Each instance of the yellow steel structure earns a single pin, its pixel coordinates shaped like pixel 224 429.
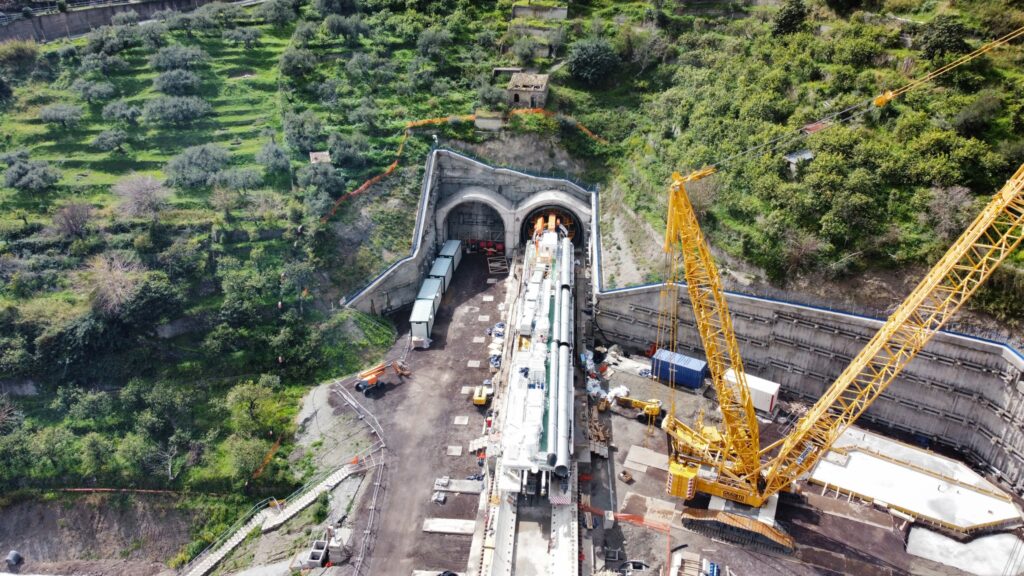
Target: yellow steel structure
pixel 986 243
pixel 735 456
pixel 715 467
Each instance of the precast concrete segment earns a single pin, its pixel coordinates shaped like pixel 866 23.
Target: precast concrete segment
pixel 931 488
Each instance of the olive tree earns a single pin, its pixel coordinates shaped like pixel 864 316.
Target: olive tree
pixel 304 131
pixel 175 110
pixel 121 112
pixel 177 56
pixel 177 82
pixel 274 159
pixel 196 165
pixel 592 60
pixel 141 196
pixel 64 115
pixel 111 140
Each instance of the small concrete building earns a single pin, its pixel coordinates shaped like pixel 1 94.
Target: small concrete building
pixel 527 90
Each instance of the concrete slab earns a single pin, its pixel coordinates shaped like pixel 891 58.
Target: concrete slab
pixel 448 526
pixel 916 488
pixel 660 511
pixel 484 318
pixel 467 390
pixel 647 457
pixel 462 486
pixel 479 339
pixel 488 298
pixel 492 280
pixel 454 451
pixel 461 420
pixel 472 364
pixel 641 468
pixel 985 556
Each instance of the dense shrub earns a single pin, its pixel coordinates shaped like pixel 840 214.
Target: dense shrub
pixel 790 18
pixel 297 62
pixel 26 175
pixel 328 7
pixel 175 110
pixel 196 165
pixel 248 37
pixel 122 112
pixel 110 140
pixel 177 56
pixel 273 158
pixel 177 82
pixel 943 35
pixel 17 57
pixel 304 131
pixel 277 12
pixel 592 60
pixel 93 92
pixel 63 115
pixel 322 178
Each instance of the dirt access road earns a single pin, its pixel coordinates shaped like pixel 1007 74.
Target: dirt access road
pixel 418 417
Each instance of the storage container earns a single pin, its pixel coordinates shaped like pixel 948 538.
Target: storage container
pixel 422 322
pixel 764 394
pixel 442 268
pixel 432 289
pixel 679 370
pixel 452 249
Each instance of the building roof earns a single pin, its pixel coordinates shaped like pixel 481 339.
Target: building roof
pixel 450 248
pixel 799 156
pixel 430 288
pixel 320 157
pixel 524 81
pixel 422 311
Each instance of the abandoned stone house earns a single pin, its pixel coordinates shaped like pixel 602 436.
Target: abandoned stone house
pixel 527 90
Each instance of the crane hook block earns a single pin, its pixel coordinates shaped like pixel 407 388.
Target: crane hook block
pixel 884 98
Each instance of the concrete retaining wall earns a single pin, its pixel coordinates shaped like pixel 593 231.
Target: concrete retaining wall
pixel 76 22
pixel 959 392
pixel 540 12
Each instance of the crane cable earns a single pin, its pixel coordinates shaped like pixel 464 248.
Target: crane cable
pixel 854 111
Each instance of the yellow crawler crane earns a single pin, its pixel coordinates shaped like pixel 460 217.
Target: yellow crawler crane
pixel 729 463
pixel 987 242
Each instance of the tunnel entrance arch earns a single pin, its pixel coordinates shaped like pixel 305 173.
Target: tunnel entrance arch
pixel 475 221
pixel 567 218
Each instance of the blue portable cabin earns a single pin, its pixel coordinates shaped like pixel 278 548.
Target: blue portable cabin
pixel 680 370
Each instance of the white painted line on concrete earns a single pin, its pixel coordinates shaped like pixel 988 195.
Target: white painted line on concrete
pixel 449 526
pixel 467 389
pixel 454 450
pixel 488 298
pixel 483 318
pixel 479 339
pixel 461 420
pixel 472 364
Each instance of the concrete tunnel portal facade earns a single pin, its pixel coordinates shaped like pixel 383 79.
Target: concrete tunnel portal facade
pixel 484 213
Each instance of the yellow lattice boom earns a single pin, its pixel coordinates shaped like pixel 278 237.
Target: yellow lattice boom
pixel 737 451
pixel 986 243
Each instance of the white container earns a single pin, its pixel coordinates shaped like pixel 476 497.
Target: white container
pixel 452 249
pixel 422 321
pixel 432 289
pixel 764 394
pixel 442 268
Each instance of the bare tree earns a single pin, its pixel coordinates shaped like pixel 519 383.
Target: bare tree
pixel 72 220
pixel 702 196
pixel 950 210
pixel 141 196
pixel 225 200
pixel 10 416
pixel 112 279
pixel 800 248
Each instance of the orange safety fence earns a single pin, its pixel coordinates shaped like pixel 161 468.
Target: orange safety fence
pixel 266 459
pixel 433 121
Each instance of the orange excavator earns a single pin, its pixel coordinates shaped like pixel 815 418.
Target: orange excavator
pixel 369 380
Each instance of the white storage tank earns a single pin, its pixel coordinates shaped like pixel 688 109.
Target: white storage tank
pixel 422 323
pixel 442 269
pixel 452 249
pixel 432 289
pixel 764 394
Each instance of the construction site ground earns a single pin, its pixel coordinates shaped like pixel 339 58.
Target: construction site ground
pixel 834 536
pixel 419 421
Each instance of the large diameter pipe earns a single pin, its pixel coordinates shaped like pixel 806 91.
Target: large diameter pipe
pixel 565 396
pixel 552 384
